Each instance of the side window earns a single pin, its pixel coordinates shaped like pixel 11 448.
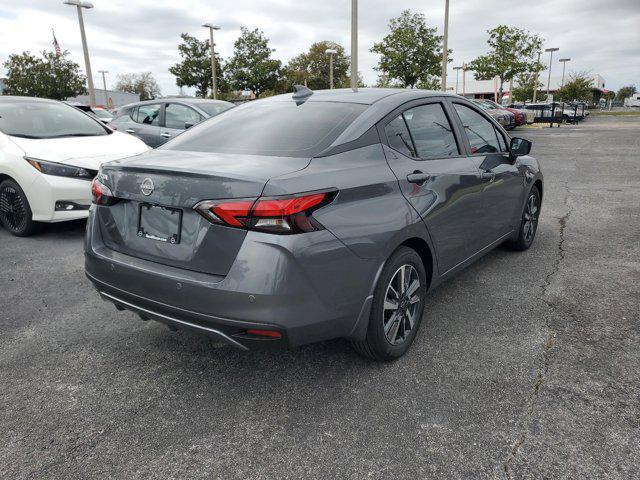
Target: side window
pixel 502 142
pixel 431 131
pixel 148 114
pixel 176 115
pixel 398 136
pixel 480 132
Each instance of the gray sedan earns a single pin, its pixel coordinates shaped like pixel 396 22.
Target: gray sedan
pixel 156 121
pixel 311 216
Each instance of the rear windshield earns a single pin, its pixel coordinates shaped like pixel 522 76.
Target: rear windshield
pixel 214 109
pixel 46 120
pixel 281 129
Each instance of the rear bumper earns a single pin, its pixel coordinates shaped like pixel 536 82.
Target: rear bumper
pixel 307 287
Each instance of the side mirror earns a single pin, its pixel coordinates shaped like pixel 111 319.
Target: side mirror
pixel 188 125
pixel 519 146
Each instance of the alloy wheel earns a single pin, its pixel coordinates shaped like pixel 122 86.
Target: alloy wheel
pixel 530 218
pixel 13 212
pixel 401 304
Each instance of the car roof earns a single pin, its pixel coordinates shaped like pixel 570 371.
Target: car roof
pixel 20 99
pixel 186 100
pixel 365 96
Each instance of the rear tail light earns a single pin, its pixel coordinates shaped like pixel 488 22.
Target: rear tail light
pixel 283 215
pixel 101 194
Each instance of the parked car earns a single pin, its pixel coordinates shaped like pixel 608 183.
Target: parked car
pixel 156 121
pixel 503 117
pixel 94 112
pixel 296 219
pixel 49 154
pixel 520 116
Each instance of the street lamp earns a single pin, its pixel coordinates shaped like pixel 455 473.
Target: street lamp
pixel 457 69
pixel 464 75
pixel 104 84
pixel 211 28
pixel 564 65
pixel 550 50
pixel 354 45
pixel 331 52
pixel 443 80
pixel 80 4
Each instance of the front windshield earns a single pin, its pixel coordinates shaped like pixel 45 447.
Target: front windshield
pixel 46 120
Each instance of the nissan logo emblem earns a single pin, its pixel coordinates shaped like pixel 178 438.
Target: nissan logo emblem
pixel 147 187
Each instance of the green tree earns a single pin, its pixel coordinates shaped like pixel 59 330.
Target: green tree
pixel 579 87
pixel 313 67
pixel 52 76
pixel 626 92
pixel 142 84
pixel 251 66
pixel 525 83
pixel 411 53
pixel 195 68
pixel 512 52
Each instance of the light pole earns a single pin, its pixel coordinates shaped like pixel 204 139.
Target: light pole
pixel 464 76
pixel 564 65
pixel 535 83
pixel 331 52
pixel 443 80
pixel 80 4
pixel 550 50
pixel 214 84
pixel 457 69
pixel 354 45
pixel 104 84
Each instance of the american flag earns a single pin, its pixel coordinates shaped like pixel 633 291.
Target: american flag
pixel 55 44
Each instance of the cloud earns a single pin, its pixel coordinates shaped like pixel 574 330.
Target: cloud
pixel 142 35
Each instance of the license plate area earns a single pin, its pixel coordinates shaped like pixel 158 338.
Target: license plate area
pixel 159 223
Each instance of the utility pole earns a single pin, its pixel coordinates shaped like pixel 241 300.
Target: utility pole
pixel 464 75
pixel 354 45
pixel 564 65
pixel 443 79
pixel 214 85
pixel 80 4
pixel 535 83
pixel 330 52
pixel 550 50
pixel 104 85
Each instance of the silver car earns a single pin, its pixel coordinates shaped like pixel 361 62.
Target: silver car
pixel 311 216
pixel 156 121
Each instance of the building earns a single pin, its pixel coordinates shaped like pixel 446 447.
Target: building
pixel 112 98
pixel 489 88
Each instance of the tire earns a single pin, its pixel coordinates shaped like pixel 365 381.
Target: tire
pixel 389 335
pixel 528 223
pixel 15 212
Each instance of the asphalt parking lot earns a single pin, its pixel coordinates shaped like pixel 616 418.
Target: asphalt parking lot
pixel 527 365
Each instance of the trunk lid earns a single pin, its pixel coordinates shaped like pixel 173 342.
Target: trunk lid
pixel 179 181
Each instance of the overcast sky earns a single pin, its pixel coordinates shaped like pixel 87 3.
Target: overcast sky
pixel 124 36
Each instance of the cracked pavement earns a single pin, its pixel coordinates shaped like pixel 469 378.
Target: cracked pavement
pixel 526 365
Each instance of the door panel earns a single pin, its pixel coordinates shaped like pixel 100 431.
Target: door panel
pixel 147 124
pixel 442 185
pixel 502 179
pixel 176 116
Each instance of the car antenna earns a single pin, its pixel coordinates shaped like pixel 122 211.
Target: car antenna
pixel 301 94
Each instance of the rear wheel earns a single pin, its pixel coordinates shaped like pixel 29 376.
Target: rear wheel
pixel 529 222
pixel 398 305
pixel 15 212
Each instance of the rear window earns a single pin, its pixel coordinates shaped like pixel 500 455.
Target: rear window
pixel 281 129
pixel 214 109
pixel 46 120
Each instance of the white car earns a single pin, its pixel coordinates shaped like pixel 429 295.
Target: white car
pixel 49 154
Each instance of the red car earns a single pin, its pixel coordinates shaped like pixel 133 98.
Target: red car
pixel 521 117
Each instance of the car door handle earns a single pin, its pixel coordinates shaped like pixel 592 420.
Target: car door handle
pixel 130 130
pixel 165 135
pixel 488 176
pixel 418 177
